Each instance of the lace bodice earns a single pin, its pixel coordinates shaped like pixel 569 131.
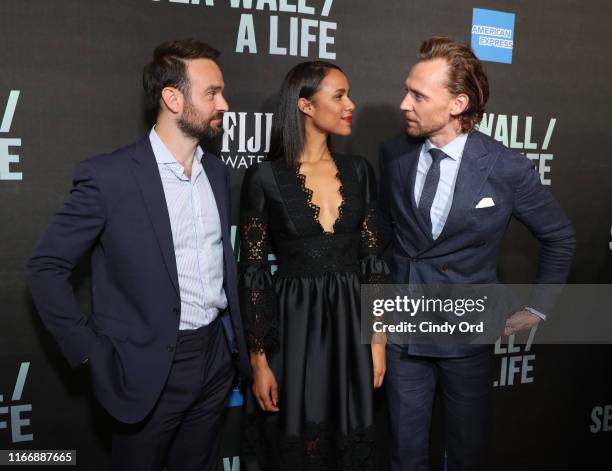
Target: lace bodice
pixel 277 214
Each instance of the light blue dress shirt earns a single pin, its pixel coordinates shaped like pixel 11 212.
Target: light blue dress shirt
pixel 449 167
pixel 196 234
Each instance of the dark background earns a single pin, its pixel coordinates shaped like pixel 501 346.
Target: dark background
pixel 78 65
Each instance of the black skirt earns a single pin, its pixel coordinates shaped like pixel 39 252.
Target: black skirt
pixel 324 373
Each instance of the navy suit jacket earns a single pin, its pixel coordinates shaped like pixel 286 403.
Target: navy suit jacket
pixel 466 252
pixel 117 211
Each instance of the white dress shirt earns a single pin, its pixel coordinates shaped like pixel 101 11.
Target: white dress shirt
pixel 196 234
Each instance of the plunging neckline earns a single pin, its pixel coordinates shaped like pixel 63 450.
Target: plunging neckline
pixel 316 208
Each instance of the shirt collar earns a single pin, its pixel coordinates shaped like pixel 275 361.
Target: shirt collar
pixel 454 149
pixel 164 156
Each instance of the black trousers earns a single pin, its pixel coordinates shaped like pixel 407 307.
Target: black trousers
pixel 466 384
pixel 183 430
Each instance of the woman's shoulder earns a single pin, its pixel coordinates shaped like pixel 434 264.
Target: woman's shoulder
pixel 256 169
pixel 355 158
pixel 359 162
pixel 252 176
pixel 260 174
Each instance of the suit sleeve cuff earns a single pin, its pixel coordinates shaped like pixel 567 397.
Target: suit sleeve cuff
pixel 536 312
pixel 77 345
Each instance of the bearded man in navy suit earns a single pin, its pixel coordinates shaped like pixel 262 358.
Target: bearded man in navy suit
pixel 165 321
pixel 447 195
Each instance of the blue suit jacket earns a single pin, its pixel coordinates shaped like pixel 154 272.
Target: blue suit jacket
pixel 117 211
pixel 466 252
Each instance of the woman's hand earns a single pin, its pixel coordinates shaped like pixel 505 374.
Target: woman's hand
pixel 379 363
pixel 265 388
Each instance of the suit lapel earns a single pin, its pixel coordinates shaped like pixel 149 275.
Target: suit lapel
pixel 476 165
pixel 217 183
pixel 216 178
pixel 147 176
pixel 408 165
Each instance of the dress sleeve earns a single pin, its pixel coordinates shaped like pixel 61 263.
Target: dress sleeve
pixel 257 297
pixel 373 267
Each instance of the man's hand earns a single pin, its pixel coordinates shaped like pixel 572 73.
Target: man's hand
pixel 521 320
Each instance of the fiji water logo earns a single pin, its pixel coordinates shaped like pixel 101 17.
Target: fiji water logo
pixel 493 35
pixel 246 138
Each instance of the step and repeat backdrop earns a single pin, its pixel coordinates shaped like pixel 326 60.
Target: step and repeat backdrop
pixel 70 87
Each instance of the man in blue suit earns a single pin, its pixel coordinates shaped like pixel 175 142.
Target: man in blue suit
pixel 447 195
pixel 165 321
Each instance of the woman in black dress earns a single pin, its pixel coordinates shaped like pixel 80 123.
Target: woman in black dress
pixel 312 402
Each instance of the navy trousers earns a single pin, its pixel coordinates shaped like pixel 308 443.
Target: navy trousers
pixel 466 384
pixel 183 430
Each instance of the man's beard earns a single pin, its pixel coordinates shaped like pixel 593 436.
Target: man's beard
pixel 423 131
pixel 193 125
pixel 434 125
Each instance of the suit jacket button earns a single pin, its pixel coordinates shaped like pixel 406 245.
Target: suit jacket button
pixel 444 267
pixel 170 348
pixel 175 310
pixel 481 243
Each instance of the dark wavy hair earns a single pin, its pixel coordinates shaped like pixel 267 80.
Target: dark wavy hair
pixel 465 75
pixel 288 129
pixel 167 69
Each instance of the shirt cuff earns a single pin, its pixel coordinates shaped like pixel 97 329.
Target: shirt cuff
pixel 537 313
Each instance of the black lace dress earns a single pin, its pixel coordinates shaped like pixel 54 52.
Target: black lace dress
pixel 306 318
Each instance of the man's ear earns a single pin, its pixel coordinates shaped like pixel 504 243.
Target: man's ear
pixel 460 104
pixel 305 106
pixel 172 99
